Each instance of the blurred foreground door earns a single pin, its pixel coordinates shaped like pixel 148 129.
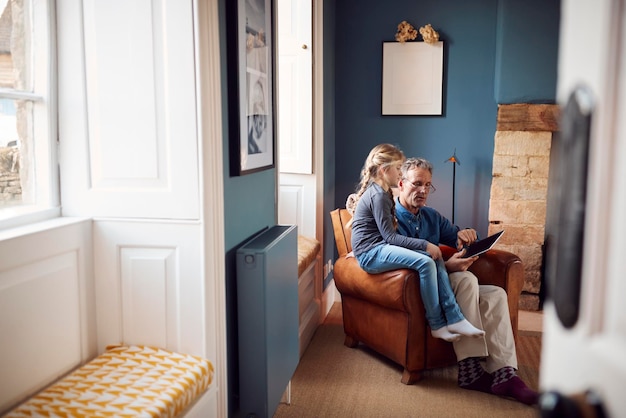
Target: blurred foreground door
pixel 584 348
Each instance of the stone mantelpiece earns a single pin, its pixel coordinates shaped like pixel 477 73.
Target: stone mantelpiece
pixel 519 187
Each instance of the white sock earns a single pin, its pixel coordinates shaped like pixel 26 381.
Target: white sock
pixel 444 334
pixel 463 327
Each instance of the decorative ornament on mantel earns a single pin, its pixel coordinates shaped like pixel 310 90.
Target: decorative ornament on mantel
pixel 429 35
pixel 407 32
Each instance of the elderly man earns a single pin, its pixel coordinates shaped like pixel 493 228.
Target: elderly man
pixel 484 306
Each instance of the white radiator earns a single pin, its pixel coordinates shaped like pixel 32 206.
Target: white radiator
pixel 267 308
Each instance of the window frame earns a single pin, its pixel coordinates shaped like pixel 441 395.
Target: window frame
pixel 45 124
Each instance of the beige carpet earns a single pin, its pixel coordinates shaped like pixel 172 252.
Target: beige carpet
pixel 333 380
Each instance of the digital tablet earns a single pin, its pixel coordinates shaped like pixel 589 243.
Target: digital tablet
pixel 480 246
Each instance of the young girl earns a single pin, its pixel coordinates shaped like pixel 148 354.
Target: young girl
pixel 378 247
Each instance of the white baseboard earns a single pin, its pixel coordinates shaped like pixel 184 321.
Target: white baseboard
pixel 329 297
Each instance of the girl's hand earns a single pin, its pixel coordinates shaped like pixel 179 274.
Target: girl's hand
pixel 434 251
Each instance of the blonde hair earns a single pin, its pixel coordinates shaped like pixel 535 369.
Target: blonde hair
pixel 380 156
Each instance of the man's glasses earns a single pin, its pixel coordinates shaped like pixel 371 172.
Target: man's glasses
pixel 428 187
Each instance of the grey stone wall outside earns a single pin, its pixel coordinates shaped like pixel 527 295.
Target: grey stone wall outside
pixel 10 186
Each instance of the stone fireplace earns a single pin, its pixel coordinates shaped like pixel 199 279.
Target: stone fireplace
pixel 519 188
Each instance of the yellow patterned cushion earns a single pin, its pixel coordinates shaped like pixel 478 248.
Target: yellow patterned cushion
pixel 125 381
pixel 307 251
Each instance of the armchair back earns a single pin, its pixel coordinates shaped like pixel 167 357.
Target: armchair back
pixel 343 233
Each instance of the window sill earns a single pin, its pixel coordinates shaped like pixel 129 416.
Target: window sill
pixel 32 221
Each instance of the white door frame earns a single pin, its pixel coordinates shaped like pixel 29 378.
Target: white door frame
pixel 212 185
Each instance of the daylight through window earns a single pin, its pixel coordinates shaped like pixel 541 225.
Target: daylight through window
pixel 26 128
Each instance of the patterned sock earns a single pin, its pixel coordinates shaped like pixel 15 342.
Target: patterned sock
pixel 472 376
pixel 503 374
pixel 507 383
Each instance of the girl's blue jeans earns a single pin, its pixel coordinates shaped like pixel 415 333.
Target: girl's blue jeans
pixel 436 291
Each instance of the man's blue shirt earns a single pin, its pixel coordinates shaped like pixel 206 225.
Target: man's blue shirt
pixel 428 224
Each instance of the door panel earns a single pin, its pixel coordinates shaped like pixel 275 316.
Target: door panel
pixel 296 203
pixel 149 287
pixel 127 109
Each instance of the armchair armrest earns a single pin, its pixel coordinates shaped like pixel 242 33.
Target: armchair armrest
pixel 499 268
pixel 396 289
pixel 496 267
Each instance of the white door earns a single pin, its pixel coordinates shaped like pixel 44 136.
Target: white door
pixel 295 86
pixel 589 354
pixel 297 194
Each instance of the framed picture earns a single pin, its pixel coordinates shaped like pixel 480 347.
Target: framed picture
pixel 412 78
pixel 251 92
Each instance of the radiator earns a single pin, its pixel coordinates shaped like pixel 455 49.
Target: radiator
pixel 267 308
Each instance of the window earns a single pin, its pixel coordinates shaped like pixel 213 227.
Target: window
pixel 28 174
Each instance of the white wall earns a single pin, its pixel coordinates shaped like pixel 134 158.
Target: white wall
pixel 133 139
pixel 47 305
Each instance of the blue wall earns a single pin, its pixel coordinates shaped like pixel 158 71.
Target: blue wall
pixel 330 158
pixel 472 32
pixel 527 51
pixel 249 207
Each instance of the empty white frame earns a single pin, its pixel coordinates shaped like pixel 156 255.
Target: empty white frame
pixel 412 78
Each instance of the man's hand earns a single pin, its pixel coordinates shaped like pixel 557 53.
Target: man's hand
pixel 457 263
pixel 434 251
pixel 465 237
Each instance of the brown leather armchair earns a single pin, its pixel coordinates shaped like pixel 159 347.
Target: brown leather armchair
pixel 385 311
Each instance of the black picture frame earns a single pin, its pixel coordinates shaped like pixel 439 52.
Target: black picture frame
pixel 251 85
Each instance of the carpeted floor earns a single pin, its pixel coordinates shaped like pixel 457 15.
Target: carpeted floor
pixel 333 380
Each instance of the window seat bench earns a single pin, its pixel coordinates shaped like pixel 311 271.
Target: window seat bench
pixel 124 381
pixel 309 288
